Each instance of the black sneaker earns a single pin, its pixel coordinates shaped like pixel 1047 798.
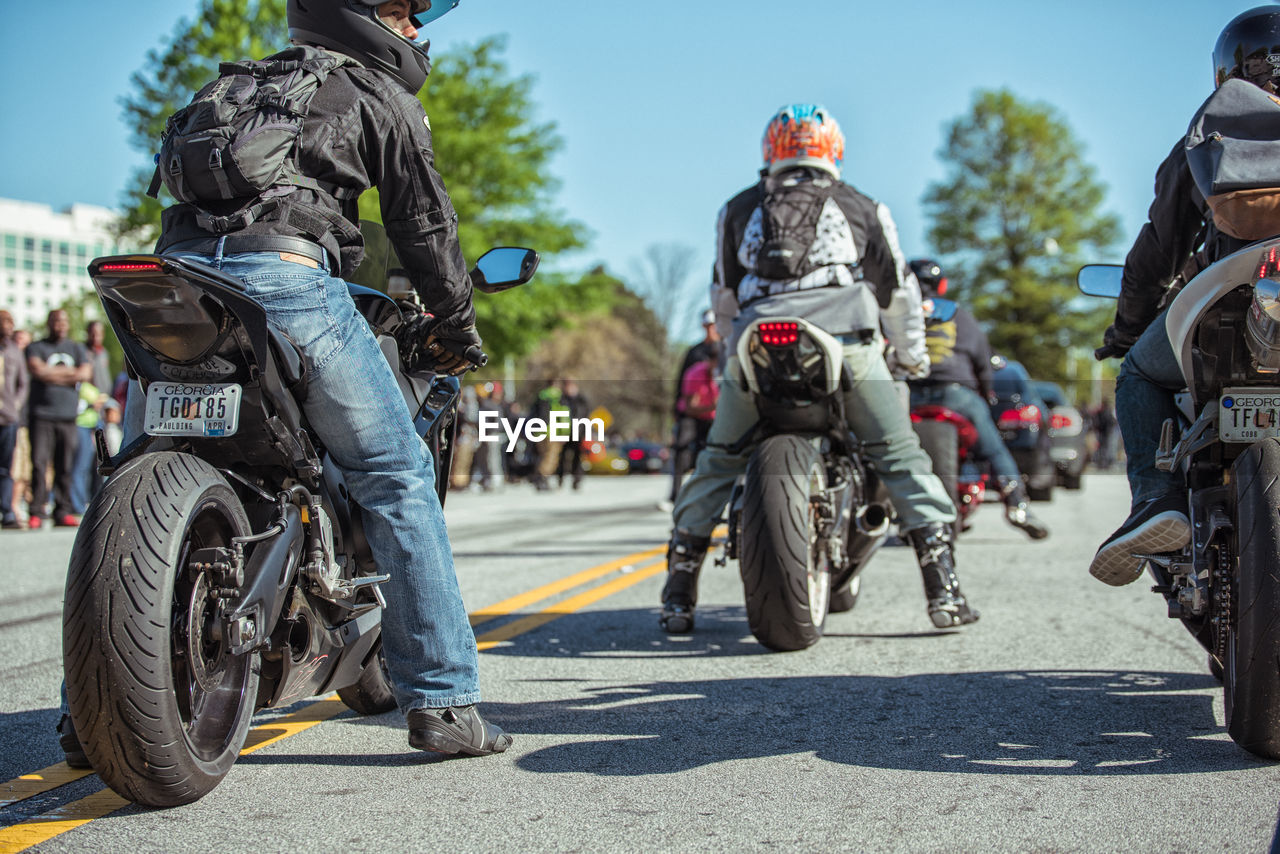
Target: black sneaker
pixel 459 729
pixel 1158 526
pixel 70 743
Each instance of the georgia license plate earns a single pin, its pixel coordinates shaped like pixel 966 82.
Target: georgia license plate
pixel 1248 414
pixel 179 409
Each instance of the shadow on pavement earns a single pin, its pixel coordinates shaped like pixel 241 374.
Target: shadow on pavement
pixel 1047 723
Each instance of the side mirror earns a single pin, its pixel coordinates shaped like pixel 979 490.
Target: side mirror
pixel 1100 280
pixel 503 268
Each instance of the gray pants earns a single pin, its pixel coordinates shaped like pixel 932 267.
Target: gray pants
pixel 877 414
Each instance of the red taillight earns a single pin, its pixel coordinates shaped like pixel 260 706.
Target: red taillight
pixel 635 454
pixel 1023 416
pixel 779 334
pixel 130 268
pixel 1060 422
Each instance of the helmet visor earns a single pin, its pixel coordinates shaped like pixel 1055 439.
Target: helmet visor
pixel 430 10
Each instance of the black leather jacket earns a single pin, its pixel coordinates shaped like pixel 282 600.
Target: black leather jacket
pixel 364 130
pixel 1179 223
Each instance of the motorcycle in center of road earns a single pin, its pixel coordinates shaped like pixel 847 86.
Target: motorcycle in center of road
pixel 809 511
pixel 949 438
pixel 1224 585
pixel 224 568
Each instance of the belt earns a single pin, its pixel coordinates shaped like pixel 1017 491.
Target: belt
pixel 234 244
pixel 858 336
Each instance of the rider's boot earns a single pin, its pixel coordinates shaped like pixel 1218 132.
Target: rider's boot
pixel 70 744
pixel 947 605
pixel 685 554
pixel 1017 510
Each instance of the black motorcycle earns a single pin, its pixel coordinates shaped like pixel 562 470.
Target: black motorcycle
pixel 1225 584
pixel 808 513
pixel 224 568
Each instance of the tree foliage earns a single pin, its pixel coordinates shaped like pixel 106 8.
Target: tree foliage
pixel 494 157
pixel 1017 216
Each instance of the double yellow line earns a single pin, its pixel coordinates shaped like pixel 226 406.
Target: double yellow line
pixel 41 828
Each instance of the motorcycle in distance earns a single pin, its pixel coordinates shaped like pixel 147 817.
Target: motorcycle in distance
pixel 1224 586
pixel 809 511
pixel 948 438
pixel 224 568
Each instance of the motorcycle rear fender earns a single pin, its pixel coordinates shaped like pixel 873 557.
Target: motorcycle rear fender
pixel 1202 292
pixel 833 349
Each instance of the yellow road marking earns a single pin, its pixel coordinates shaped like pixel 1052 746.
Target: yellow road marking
pixel 39 782
pixel 489 640
pixel 46 826
pixel 69 816
pixel 506 606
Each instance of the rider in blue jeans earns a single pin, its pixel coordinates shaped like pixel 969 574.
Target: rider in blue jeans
pixel 960 380
pixel 366 127
pixel 1179 239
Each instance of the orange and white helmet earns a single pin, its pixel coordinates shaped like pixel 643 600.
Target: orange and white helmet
pixel 803 135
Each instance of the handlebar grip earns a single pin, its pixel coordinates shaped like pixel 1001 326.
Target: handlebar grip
pixel 476 356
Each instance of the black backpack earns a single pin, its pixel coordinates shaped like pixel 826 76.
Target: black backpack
pixel 790 211
pixel 1233 150
pixel 237 141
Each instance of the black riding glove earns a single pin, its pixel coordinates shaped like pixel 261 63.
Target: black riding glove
pixel 1114 344
pixel 443 346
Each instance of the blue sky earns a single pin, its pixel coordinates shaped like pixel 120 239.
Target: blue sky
pixel 661 105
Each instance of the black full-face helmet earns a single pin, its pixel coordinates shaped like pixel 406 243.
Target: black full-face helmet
pixel 352 27
pixel 1249 48
pixel 933 282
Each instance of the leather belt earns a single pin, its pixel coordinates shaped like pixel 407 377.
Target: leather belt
pixel 234 244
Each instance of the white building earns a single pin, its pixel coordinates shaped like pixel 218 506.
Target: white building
pixel 45 253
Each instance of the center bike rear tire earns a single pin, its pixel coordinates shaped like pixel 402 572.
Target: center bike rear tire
pixel 1251 678
pixel 941 441
pixel 787 586
pixel 160 706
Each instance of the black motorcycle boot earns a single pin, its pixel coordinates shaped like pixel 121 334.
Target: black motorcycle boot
pixel 70 744
pixel 1017 510
pixel 454 730
pixel 947 605
pixel 685 554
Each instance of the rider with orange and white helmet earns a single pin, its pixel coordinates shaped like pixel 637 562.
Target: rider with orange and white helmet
pixel 802 242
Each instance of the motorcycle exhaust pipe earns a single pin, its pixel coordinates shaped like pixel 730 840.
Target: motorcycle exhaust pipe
pixel 872 520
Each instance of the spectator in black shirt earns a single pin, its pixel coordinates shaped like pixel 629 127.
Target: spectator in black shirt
pixel 57 364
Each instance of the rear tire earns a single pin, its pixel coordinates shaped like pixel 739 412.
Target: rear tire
pixel 787 586
pixel 372 694
pixel 160 707
pixel 846 597
pixel 1251 683
pixel 1072 480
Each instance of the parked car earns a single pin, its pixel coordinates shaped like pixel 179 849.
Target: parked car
pixel 1024 420
pixel 645 457
pixel 1068 438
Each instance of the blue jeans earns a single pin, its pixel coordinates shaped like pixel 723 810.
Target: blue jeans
pixel 85 480
pixel 1145 387
pixel 357 409
pixel 967 402
pixel 878 416
pixel 8 439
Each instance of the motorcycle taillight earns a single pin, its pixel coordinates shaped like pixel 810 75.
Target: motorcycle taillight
pixel 779 334
pixel 1263 323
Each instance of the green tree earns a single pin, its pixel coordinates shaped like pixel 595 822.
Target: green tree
pixel 494 157
pixel 1017 216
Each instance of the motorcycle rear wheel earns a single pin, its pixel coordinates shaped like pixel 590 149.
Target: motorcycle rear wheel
pixel 1251 682
pixel 372 694
pixel 160 706
pixel 787 586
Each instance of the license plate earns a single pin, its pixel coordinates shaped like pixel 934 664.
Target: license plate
pixel 1248 414
pixel 179 409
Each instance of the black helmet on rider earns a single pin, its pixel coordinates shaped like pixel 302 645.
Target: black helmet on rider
pixel 933 283
pixel 1249 48
pixel 354 28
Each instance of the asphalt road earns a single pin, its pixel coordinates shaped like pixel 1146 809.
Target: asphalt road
pixel 1073 717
